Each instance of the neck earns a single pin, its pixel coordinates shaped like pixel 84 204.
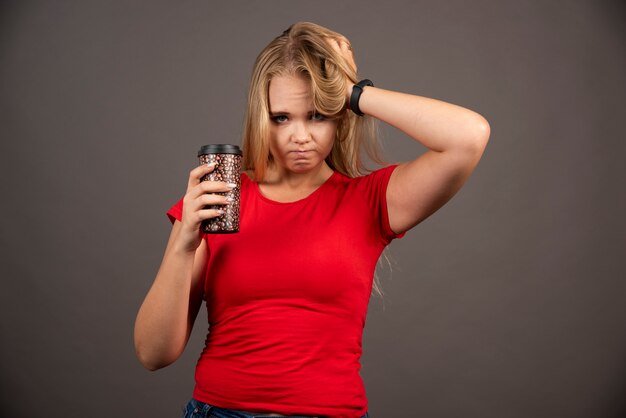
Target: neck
pixel 279 176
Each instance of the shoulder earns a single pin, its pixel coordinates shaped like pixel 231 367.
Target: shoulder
pixel 246 182
pixel 247 176
pixel 375 178
pixel 371 186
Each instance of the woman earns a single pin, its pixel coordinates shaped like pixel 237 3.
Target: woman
pixel 287 296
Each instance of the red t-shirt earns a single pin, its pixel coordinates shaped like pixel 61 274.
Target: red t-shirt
pixel 287 299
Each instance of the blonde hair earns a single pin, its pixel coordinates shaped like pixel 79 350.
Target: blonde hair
pixel 303 50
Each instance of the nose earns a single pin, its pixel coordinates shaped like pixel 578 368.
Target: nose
pixel 300 133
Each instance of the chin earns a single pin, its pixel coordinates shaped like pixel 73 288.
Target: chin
pixel 301 167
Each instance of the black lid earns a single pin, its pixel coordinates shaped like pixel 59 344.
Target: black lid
pixel 219 149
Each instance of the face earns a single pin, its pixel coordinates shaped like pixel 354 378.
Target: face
pixel 300 138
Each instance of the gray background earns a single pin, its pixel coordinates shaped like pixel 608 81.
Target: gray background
pixel 508 302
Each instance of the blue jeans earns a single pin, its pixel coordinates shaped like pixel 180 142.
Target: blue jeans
pixel 197 409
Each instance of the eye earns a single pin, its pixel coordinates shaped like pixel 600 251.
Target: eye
pixel 318 116
pixel 279 118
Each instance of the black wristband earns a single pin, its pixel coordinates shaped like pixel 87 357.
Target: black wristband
pixel 356 94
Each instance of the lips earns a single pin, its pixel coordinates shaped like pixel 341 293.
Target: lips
pixel 301 154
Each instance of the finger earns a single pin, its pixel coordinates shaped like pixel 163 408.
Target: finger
pixel 348 51
pixel 213 199
pixel 343 47
pixel 209 213
pixel 197 173
pixel 345 44
pixel 334 44
pixel 210 187
pixel 196 210
pixel 216 186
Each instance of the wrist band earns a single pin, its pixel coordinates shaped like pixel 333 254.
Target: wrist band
pixel 356 94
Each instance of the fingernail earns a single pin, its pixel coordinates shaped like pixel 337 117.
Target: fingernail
pixel 211 164
pixel 229 199
pixel 231 185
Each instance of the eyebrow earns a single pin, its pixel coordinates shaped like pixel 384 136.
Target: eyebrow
pixel 279 112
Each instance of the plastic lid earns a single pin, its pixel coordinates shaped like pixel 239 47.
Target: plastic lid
pixel 219 149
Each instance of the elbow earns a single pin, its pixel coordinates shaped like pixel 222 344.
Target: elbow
pixel 151 360
pixel 151 363
pixel 479 136
pixel 152 367
pixel 484 131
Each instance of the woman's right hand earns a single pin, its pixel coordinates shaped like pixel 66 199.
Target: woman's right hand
pixel 166 317
pixel 199 195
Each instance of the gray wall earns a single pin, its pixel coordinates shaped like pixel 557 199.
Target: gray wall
pixel 508 302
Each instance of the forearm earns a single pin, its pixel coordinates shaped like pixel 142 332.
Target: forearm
pixel 161 328
pixel 437 125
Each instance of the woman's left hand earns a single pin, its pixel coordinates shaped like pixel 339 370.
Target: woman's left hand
pixel 343 48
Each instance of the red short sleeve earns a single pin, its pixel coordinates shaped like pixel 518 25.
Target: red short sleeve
pixel 374 188
pixel 176 211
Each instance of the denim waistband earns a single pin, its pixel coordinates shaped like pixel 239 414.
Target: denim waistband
pixel 197 409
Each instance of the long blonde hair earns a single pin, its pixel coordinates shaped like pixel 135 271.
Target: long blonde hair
pixel 303 50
